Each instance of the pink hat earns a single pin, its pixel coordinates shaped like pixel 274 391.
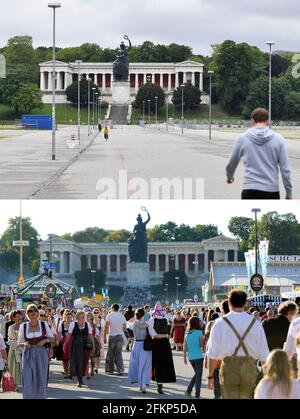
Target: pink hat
pixel 158 310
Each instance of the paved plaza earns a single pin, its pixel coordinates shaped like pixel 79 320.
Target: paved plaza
pixel 27 171
pixel 104 386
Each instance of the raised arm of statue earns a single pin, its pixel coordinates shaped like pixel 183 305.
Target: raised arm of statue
pixel 149 218
pixel 127 39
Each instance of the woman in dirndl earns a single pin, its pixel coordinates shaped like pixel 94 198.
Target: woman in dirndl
pixel 178 331
pixel 82 345
pixel 15 352
pixel 162 359
pixel 64 351
pixel 34 337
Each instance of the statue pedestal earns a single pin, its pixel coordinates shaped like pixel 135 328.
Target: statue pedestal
pixel 121 93
pixel 138 275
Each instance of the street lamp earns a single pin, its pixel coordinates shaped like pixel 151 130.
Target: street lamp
pixel 182 101
pixel 100 116
pixel 149 105
pixel 156 98
pixel 196 265
pixel 89 103
pixel 94 88
pixel 96 105
pixel 256 211
pixel 79 123
pixel 93 286
pixel 270 43
pixel 177 285
pixel 53 6
pixel 210 101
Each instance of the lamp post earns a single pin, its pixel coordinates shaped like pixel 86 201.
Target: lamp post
pixel 196 265
pixel 93 89
pixel 93 286
pixel 177 285
pixel 89 103
pixel 210 101
pixel 256 211
pixel 156 98
pixel 79 122
pixel 270 43
pixel 182 102
pixel 167 115
pixel 53 6
pixel 96 105
pixel 149 105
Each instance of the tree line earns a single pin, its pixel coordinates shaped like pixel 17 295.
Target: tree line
pixel 282 230
pixel 240 80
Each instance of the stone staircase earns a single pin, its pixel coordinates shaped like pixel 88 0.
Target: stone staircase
pixel 118 114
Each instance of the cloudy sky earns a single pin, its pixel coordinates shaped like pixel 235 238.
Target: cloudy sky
pixel 59 217
pixel 198 23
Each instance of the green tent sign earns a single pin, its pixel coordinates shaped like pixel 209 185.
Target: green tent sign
pixel 51 290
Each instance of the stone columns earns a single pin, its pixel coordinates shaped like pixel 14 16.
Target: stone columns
pixel 169 82
pixel 161 80
pixel 89 262
pixel 236 256
pixel 176 262
pixel 68 80
pixel 108 264
pixel 99 262
pixel 61 263
pixel 201 81
pixel 157 271
pixel 186 263
pixel 136 82
pixel 50 81
pixel 104 83
pixel 206 262
pixel 226 255
pixel 176 80
pixel 118 265
pixel 184 78
pixel 42 84
pixel 193 79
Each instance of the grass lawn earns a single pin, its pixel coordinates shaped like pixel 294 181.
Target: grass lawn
pixel 65 114
pixel 199 113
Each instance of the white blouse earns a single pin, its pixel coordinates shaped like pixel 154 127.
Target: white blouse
pixel 72 325
pixel 32 335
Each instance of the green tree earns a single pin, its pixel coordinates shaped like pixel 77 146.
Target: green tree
pixel 150 91
pixel 118 236
pixel 72 92
pixel 19 50
pixel 162 233
pixel 10 255
pixel 29 97
pixel 191 96
pixel 241 228
pixel 282 230
pixel 89 235
pixel 91 282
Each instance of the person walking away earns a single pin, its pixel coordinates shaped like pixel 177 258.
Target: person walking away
pixel 99 127
pixel 179 324
pixel 15 353
pixel 239 341
pixel 263 152
pixel 278 382
pixel 140 359
pixel 162 359
pixel 95 354
pixel 193 346
pixel 115 326
pixel 35 336
pixel 276 329
pixel 129 314
pixel 82 345
pixel 106 132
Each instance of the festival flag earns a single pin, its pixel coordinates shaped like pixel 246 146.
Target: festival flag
pixel 263 256
pixel 252 261
pixel 247 259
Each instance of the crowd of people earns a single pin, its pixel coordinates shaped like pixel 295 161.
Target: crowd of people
pixel 249 352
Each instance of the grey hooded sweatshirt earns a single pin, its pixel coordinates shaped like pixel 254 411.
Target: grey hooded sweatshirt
pixel 263 152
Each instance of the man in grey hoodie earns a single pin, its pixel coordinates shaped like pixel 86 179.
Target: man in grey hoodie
pixel 263 152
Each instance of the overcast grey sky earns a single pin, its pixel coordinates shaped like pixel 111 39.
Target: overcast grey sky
pixel 198 23
pixel 59 217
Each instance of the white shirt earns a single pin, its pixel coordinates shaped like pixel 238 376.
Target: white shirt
pixel 152 332
pixel 32 335
pixel 72 325
pixel 223 342
pixel 59 329
pixel 290 345
pixel 116 321
pixel 265 388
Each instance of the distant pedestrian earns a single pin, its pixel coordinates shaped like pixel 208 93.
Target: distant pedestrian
pixel 263 152
pixel 106 132
pixel 99 127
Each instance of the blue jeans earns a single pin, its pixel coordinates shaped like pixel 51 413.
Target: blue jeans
pixel 197 364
